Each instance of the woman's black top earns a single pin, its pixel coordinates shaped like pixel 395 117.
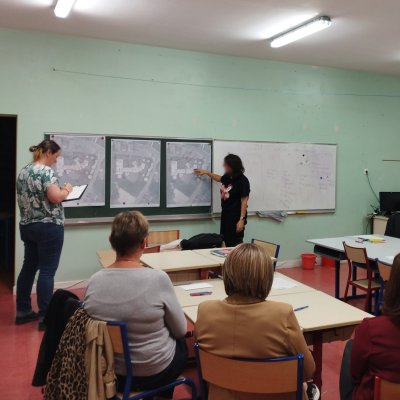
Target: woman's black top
pixel 232 192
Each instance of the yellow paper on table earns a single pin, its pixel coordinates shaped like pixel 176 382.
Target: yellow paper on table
pixel 376 240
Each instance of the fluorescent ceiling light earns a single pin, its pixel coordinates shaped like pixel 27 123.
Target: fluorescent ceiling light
pixel 63 8
pixel 301 31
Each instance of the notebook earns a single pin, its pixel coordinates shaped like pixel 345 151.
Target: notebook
pixel 77 193
pixel 220 253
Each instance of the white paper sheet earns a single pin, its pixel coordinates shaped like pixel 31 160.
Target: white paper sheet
pixel 82 160
pixel 194 286
pixel 76 193
pixel 281 283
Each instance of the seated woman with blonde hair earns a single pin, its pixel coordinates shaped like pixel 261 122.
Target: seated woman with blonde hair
pixel 247 325
pixel 145 299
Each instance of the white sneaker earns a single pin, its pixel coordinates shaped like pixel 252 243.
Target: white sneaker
pixel 313 392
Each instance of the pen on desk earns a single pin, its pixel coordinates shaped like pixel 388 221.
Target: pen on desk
pixel 200 293
pixel 300 308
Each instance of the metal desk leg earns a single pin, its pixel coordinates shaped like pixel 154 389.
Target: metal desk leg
pixel 317 353
pixel 337 279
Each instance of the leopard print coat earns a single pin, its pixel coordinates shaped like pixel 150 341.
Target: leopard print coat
pixel 67 378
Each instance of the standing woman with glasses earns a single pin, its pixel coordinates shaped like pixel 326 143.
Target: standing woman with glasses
pixel 42 229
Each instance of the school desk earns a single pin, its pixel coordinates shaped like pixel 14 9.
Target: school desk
pixel 333 248
pixel 324 321
pixel 180 265
pixel 218 291
pixel 208 253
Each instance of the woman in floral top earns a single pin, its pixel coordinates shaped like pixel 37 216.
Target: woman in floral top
pixel 42 229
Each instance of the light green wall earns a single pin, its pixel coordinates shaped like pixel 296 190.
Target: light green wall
pixel 196 95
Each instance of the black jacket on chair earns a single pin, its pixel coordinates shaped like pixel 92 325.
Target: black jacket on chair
pixel 393 226
pixel 62 306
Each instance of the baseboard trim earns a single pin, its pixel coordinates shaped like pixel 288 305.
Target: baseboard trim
pixel 79 284
pixel 294 263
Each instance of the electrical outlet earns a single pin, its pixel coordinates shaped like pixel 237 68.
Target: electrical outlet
pixel 365 171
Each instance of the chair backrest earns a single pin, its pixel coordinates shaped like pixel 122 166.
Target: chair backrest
pixel 385 390
pixel 272 248
pixel 384 270
pixel 356 254
pixel 262 376
pixel 162 237
pixel 152 249
pixel 119 339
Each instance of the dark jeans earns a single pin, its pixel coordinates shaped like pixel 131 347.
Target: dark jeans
pixel 165 377
pixel 346 385
pixel 43 245
pixel 228 229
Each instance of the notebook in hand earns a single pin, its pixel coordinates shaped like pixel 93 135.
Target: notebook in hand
pixel 221 252
pixel 77 193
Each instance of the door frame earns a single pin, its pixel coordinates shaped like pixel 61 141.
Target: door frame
pixel 13 255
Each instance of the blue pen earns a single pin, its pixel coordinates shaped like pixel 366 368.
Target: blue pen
pixel 200 293
pixel 300 308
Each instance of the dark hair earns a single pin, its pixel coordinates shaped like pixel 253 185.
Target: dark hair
pixel 43 147
pixel 129 230
pixel 235 164
pixel 391 296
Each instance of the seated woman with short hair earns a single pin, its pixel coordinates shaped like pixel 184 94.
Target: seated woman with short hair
pixel 145 299
pixel 246 324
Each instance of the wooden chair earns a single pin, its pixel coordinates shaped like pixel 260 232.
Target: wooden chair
pixel 384 275
pixel 385 390
pixel 162 237
pixel 152 249
pixel 258 376
pixel 272 248
pixel 357 258
pixel 119 339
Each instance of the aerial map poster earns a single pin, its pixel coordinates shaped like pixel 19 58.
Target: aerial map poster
pixel 82 162
pixel 135 173
pixel 184 188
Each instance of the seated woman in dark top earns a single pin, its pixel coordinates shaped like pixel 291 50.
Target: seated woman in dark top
pixel 376 346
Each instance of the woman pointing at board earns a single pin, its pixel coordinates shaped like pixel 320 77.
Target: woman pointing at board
pixel 235 191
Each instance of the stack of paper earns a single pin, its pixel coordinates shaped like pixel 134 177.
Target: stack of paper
pixel 281 283
pixel 195 286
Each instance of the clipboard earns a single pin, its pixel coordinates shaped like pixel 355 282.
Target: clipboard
pixel 77 193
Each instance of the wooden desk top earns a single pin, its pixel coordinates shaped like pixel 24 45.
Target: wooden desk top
pixel 324 311
pixel 178 261
pixel 221 260
pixel 218 291
pixel 207 253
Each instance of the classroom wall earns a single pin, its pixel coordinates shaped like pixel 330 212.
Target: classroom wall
pixel 119 88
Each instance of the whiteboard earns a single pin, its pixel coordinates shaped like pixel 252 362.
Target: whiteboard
pixel 283 176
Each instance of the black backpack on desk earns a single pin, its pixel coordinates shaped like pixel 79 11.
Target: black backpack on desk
pixel 202 241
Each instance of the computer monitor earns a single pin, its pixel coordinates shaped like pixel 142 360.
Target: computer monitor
pixel 389 201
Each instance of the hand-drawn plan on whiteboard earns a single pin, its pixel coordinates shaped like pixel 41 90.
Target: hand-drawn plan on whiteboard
pixel 135 173
pixel 82 162
pixel 184 187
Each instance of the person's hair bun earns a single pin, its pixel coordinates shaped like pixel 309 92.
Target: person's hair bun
pixel 32 149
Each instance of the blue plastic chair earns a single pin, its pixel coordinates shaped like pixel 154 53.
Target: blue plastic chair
pixel 249 375
pixel 384 275
pixel 272 248
pixel 119 338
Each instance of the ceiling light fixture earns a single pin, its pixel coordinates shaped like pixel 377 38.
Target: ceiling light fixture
pixel 63 8
pixel 301 31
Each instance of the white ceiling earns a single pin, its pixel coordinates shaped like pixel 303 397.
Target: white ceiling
pixel 364 34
